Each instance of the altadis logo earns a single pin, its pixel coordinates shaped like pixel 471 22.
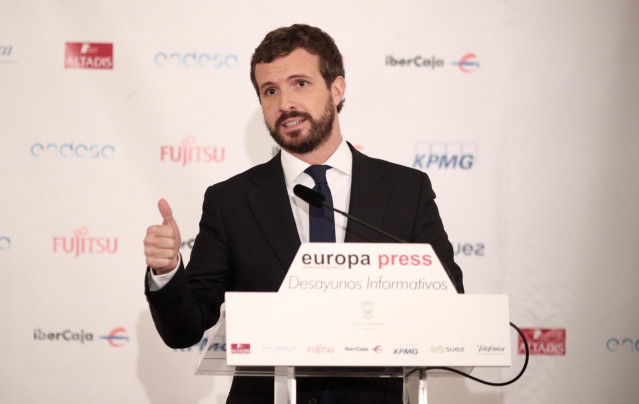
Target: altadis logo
pixel 5 243
pixel 240 348
pixel 115 337
pixel 85 55
pixel 188 152
pixel 80 243
pixel 543 341
pixel 445 156
pixel 468 63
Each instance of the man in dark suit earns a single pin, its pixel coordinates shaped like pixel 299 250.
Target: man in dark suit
pixel 252 224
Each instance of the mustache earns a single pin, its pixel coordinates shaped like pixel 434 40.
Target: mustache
pixel 292 114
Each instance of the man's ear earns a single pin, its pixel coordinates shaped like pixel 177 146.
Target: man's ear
pixel 338 88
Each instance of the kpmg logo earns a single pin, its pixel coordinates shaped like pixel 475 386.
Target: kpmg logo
pixel 468 63
pixel 116 338
pixel 406 350
pixel 5 54
pixel 73 150
pixel 85 55
pixel 81 243
pixel 195 60
pixel 445 156
pixel 432 62
pixel 543 341
pixel 5 243
pixel 241 349
pixel 622 345
pixel 188 152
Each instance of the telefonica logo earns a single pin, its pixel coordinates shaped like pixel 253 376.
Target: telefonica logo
pixel 202 60
pixel 73 150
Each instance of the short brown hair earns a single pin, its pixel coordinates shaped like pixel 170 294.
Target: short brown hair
pixel 285 40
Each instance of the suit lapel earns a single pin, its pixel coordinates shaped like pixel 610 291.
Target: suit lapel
pixel 369 198
pixel 272 209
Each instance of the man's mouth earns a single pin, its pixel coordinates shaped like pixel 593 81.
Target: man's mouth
pixel 293 123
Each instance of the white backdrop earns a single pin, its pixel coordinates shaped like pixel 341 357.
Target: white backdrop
pixel 530 146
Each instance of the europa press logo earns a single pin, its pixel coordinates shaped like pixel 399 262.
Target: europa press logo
pixel 188 152
pixel 87 55
pixel 81 243
pixel 445 156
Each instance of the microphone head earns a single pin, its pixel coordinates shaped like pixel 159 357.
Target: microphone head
pixel 306 194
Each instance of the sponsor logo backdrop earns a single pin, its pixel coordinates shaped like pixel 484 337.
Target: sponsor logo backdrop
pixel 531 150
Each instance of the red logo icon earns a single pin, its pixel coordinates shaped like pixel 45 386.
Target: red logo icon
pixel 240 348
pixel 84 55
pixel 543 341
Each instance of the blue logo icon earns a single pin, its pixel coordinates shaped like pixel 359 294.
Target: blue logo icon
pixel 445 156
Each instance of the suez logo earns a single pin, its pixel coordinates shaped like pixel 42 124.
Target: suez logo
pixel 195 59
pixel 80 243
pixel 189 152
pixel 622 345
pixel 440 349
pixel 543 341
pixel 467 63
pixel 116 338
pixel 85 55
pixel 470 249
pixel 73 150
pixel 445 156
pixel 5 243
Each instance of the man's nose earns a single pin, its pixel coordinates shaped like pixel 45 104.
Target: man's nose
pixel 287 101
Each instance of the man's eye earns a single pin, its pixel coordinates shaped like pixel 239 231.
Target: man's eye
pixel 269 91
pixel 302 83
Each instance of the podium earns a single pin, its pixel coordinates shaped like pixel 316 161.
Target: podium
pixel 358 310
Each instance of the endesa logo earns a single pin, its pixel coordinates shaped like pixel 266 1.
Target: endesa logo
pixel 445 156
pixel 188 152
pixel 468 63
pixel 240 348
pixel 195 60
pixel 432 62
pixel 5 243
pixel 80 243
pixel 5 54
pixel 543 341
pixel 622 345
pixel 73 150
pixel 85 55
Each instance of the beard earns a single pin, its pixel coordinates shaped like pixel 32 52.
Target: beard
pixel 319 131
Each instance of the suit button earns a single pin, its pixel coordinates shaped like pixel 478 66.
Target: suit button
pixel 312 401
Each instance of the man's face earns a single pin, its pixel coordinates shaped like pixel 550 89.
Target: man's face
pixel 299 110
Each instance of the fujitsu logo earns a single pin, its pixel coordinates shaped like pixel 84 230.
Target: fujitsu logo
pixel 319 349
pixel 80 243
pixel 188 152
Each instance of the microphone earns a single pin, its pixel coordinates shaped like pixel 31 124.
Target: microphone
pixel 316 199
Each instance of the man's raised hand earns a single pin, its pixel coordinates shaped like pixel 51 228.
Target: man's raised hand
pixel 162 243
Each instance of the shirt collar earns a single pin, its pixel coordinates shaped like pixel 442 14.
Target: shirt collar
pixel 341 159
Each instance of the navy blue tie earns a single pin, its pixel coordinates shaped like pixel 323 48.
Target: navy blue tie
pixel 321 220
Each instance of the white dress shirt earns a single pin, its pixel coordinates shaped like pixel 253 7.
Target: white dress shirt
pixel 338 177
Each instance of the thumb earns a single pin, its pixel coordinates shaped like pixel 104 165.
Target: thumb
pixel 166 212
